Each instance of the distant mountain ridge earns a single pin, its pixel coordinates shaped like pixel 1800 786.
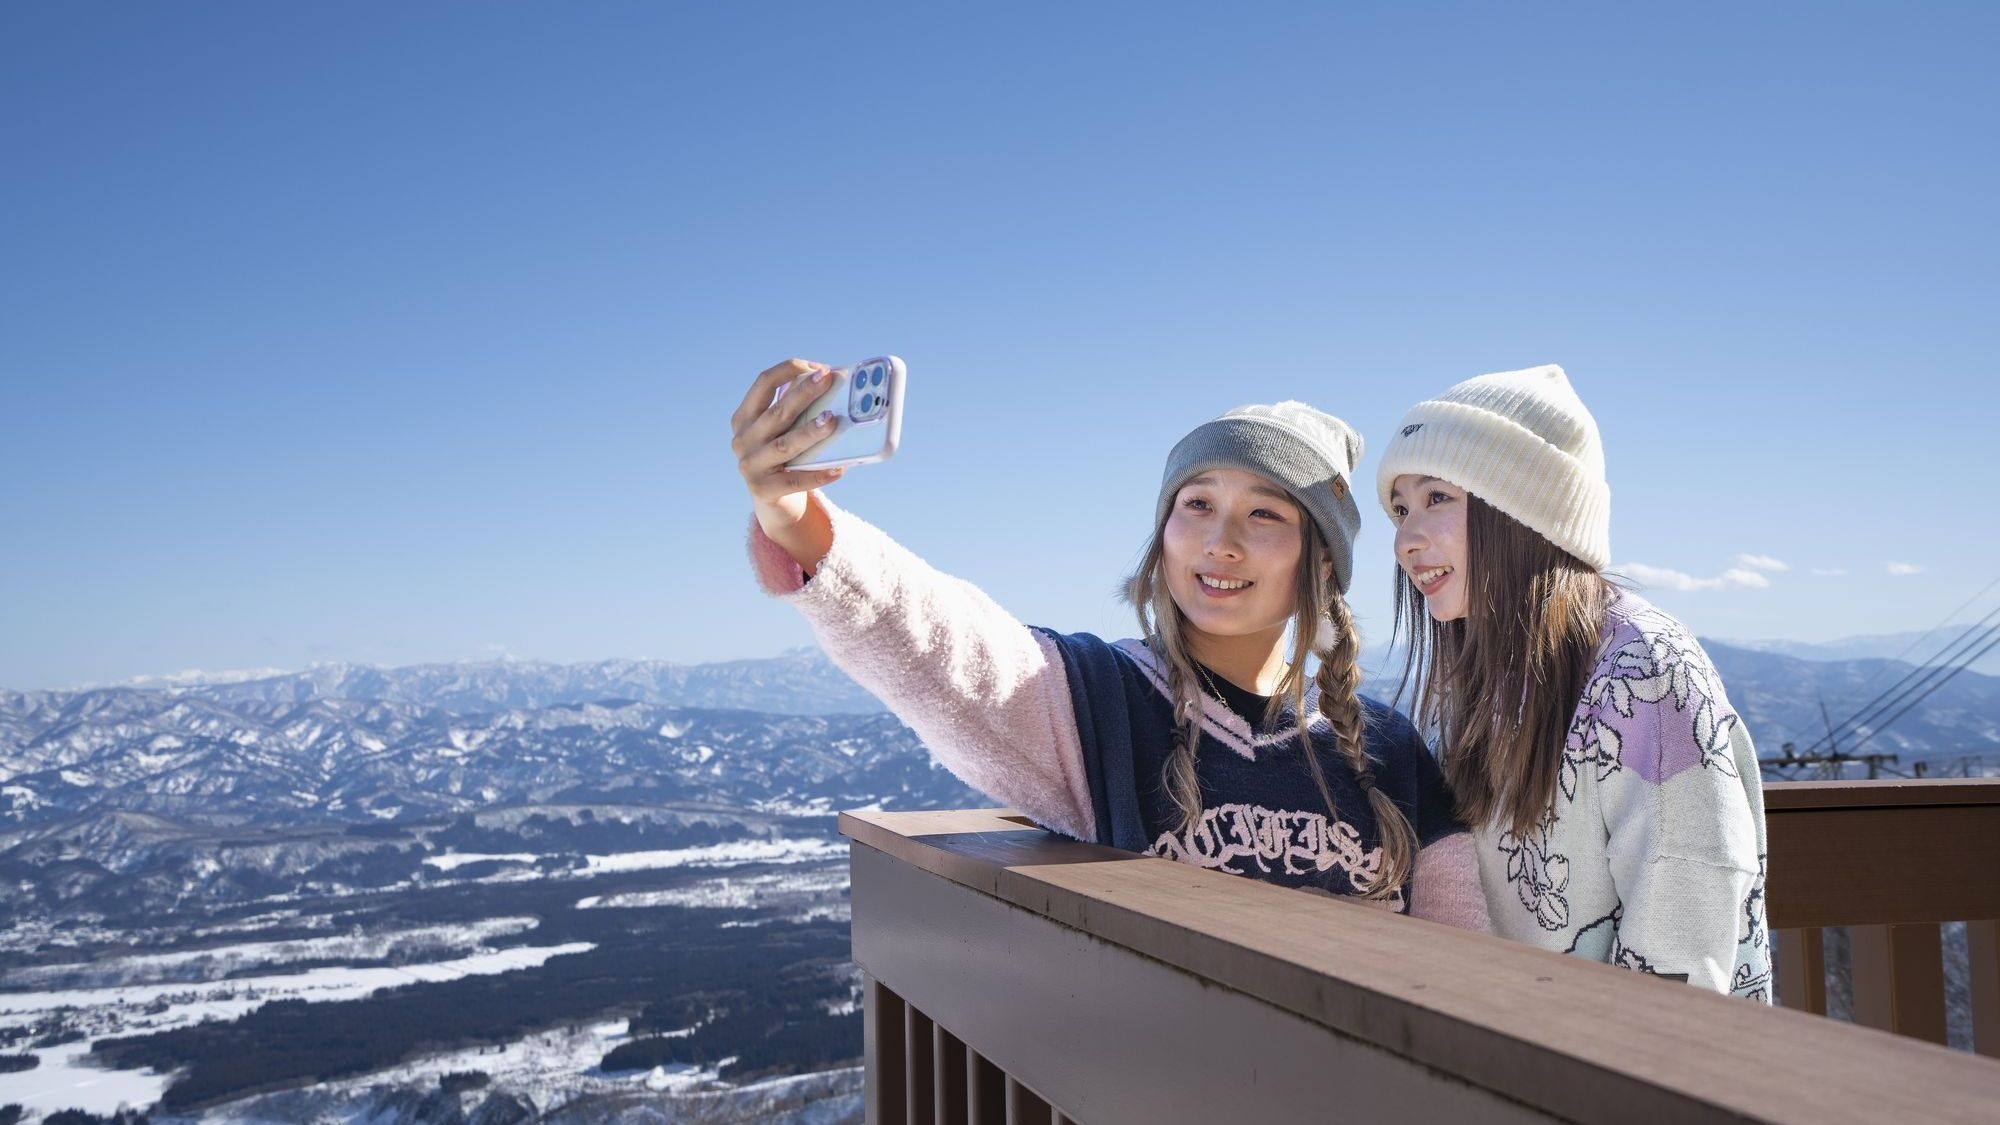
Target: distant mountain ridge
pixel 255 762
pixel 799 681
pixel 1911 648
pixel 345 743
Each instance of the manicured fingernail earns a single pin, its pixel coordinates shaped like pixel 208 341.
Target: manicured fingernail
pixel 824 420
pixel 820 374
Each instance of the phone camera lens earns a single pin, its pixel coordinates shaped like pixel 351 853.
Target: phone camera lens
pixel 875 377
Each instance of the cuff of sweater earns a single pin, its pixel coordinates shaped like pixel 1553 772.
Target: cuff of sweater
pixel 1446 885
pixel 778 573
pixel 854 584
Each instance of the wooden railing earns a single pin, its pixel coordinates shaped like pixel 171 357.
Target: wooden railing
pixel 1889 861
pixel 1018 977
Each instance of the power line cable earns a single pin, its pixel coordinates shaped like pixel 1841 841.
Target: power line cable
pixel 1926 635
pixel 1947 620
pixel 1884 725
pixel 1895 693
pixel 1913 683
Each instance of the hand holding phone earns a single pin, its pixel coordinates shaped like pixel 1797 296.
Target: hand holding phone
pixel 784 450
pixel 864 402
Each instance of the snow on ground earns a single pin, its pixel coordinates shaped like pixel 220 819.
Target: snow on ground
pixel 191 1002
pixel 536 1063
pixel 452 861
pixel 35 935
pixel 777 850
pixel 223 961
pixel 812 894
pixel 557 1073
pixel 717 855
pixel 64 1080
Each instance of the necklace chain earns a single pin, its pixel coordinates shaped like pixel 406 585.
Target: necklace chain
pixel 1217 692
pixel 1202 671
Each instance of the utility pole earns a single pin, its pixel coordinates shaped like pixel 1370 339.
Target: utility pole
pixel 1830 765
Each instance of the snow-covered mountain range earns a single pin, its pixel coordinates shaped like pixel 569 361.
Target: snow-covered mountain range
pixel 345 744
pixel 339 760
pixel 799 681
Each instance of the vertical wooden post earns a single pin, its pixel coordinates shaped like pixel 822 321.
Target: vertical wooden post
pixel 1898 976
pixel 1802 969
pixel 1982 947
pixel 986 1090
pixel 1024 1108
pixel 919 1077
pixel 948 1061
pixel 882 1050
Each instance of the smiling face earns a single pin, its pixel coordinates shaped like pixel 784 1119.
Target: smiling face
pixel 1230 550
pixel 1430 541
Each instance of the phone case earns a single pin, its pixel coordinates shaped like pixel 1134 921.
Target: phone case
pixel 866 399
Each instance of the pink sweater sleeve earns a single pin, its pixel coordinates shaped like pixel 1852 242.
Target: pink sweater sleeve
pixel 1445 886
pixel 988 696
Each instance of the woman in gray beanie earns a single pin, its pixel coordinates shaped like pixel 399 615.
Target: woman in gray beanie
pixel 1204 740
pixel 1612 791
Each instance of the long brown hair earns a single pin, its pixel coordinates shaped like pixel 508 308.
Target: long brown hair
pixel 1165 630
pixel 1500 685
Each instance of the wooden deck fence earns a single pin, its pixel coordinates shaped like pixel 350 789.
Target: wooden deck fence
pixel 1017 977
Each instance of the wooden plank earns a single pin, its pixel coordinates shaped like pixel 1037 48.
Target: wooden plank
pixel 1024 1108
pixel 882 1048
pixel 933 822
pixel 1898 974
pixel 1882 866
pixel 986 1090
pixel 1801 957
pixel 974 854
pixel 1786 796
pixel 919 1097
pixel 948 1060
pixel 1982 944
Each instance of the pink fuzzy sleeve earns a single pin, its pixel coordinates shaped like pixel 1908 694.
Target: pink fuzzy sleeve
pixel 988 696
pixel 1445 886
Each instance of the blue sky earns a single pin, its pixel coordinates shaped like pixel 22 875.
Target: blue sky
pixel 396 333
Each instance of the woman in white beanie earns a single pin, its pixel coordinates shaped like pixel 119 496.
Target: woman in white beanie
pixel 1185 743
pixel 1612 791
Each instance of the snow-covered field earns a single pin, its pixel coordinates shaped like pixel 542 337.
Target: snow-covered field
pixel 555 1074
pixel 775 850
pixel 64 1080
pixel 722 855
pixel 808 895
pixel 452 861
pixel 224 961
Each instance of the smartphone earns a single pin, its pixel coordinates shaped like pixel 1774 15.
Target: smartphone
pixel 866 400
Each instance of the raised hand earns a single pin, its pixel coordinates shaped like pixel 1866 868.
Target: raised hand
pixel 765 440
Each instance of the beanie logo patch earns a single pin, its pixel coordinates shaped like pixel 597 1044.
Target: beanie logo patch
pixel 1411 429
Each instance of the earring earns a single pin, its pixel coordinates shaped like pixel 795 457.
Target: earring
pixel 1325 636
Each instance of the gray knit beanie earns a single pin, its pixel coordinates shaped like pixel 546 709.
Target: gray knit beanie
pixel 1521 441
pixel 1310 454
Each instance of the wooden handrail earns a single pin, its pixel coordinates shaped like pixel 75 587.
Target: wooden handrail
pixel 1504 1029
pixel 1887 862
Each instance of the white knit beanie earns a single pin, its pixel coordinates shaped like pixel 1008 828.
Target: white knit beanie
pixel 1521 441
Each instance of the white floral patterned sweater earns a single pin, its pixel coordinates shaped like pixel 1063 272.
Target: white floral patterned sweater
pixel 1653 854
